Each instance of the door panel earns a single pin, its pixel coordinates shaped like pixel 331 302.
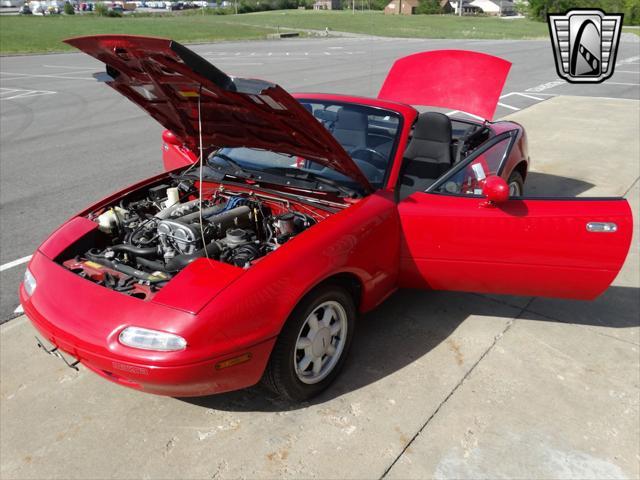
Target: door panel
pixel 536 247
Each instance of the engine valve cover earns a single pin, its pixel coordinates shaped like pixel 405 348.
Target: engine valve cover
pixel 184 238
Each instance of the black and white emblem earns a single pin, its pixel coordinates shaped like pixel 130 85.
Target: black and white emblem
pixel 585 43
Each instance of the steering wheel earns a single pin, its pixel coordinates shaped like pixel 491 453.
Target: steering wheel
pixel 381 161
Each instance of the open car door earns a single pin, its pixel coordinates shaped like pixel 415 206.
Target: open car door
pixel 453 238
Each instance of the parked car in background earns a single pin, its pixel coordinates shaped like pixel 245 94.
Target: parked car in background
pixel 48 7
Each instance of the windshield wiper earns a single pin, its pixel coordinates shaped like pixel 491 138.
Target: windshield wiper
pixel 311 176
pixel 230 161
pixel 218 172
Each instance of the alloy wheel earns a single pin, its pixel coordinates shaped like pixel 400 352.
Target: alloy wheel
pixel 320 342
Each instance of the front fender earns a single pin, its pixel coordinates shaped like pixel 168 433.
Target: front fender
pixel 362 240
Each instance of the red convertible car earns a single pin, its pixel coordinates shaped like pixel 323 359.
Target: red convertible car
pixel 281 218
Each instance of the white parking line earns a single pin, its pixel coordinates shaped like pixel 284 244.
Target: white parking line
pixel 628 71
pixel 627 60
pixel 13 93
pixel 15 263
pixel 280 55
pixel 69 67
pixel 546 86
pixel 19 309
pixel 523 95
pixel 228 63
pixel 508 106
pixel 627 84
pixel 7 91
pixel 453 112
pixel 31 75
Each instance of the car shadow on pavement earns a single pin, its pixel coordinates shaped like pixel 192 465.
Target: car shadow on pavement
pixel 546 185
pixel 412 323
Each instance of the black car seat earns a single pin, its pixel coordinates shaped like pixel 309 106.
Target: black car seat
pixel 429 153
pixel 350 129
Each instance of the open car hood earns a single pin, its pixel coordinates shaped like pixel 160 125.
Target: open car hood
pixel 461 80
pixel 172 84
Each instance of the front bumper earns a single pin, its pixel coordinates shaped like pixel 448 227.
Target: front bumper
pixel 91 342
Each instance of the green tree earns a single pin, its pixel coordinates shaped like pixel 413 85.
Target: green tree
pixel 379 4
pixel 632 12
pixel 101 9
pixel 539 9
pixel 429 7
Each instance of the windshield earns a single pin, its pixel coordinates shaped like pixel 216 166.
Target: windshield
pixel 369 135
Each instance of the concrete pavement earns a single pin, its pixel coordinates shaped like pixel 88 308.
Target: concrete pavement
pixel 439 385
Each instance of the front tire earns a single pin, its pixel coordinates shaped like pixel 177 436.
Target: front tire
pixel 313 344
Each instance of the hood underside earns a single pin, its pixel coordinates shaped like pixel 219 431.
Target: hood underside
pixel 461 80
pixel 188 95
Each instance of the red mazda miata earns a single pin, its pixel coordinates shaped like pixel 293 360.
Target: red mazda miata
pixel 281 218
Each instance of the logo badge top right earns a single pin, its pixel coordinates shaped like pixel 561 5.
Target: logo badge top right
pixel 585 43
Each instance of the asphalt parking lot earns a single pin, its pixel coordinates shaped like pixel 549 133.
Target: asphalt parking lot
pixel 440 385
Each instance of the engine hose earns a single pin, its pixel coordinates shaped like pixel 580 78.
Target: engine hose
pixel 135 251
pixel 154 265
pixel 180 261
pixel 127 270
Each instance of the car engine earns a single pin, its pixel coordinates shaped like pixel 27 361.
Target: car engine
pixel 146 240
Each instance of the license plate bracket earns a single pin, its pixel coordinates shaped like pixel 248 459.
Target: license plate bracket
pixel 55 351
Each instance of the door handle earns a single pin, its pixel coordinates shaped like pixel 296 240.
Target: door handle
pixel 602 227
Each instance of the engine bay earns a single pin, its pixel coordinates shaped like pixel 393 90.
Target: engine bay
pixel 150 235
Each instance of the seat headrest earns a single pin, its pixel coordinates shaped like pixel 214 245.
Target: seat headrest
pixel 433 126
pixel 351 120
pixel 325 115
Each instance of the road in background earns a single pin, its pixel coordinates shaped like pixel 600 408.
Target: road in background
pixel 67 141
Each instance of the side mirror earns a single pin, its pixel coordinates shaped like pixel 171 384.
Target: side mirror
pixel 169 137
pixel 495 190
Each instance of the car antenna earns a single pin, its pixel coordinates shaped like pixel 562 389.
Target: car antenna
pixel 200 176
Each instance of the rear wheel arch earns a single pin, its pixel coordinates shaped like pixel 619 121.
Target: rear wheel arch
pixel 522 169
